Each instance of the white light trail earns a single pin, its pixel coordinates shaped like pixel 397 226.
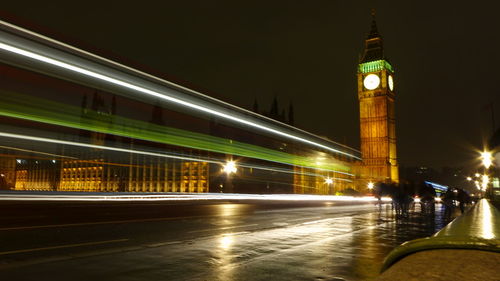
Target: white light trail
pixel 38 152
pixel 188 197
pixel 149 92
pixel 289 171
pixel 32 138
pixel 114 63
pixel 86 145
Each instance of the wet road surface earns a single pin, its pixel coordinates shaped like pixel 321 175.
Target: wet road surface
pixel 215 241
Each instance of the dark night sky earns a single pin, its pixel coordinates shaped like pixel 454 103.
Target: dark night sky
pixel 446 55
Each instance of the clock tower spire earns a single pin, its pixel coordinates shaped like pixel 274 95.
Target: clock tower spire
pixel 376 111
pixel 374 49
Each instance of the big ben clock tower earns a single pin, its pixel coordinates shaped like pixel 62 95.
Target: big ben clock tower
pixel 376 111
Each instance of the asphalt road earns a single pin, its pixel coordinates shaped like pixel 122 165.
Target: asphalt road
pixel 201 240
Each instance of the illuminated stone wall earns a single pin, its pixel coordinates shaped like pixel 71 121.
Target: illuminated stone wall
pixel 313 181
pixel 36 174
pixel 98 175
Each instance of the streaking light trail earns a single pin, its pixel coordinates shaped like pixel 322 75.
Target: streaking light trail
pixel 163 96
pixel 114 63
pixel 32 138
pixel 186 197
pixel 37 152
pixel 86 145
pixel 45 111
pixel 441 188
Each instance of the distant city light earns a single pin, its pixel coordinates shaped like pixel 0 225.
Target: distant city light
pixel 328 181
pixel 469 178
pixel 496 182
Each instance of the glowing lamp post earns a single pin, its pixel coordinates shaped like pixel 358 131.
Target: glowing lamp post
pixel 370 186
pixel 487 159
pixel 485 181
pixel 229 168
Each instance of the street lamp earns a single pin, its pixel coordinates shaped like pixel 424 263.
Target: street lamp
pixel 370 185
pixel 230 167
pixel 328 181
pixel 485 181
pixel 487 159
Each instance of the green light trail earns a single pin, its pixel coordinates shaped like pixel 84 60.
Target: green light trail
pixel 45 111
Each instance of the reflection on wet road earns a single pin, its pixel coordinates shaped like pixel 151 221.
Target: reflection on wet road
pixel 234 242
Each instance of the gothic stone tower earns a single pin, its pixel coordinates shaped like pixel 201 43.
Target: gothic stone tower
pixel 376 111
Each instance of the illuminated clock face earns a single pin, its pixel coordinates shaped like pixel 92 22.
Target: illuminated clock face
pixel 390 82
pixel 371 81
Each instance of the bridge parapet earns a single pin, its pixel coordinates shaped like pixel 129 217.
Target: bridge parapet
pixel 466 249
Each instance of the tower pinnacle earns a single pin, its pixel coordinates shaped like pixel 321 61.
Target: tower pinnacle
pixel 374 49
pixel 373 31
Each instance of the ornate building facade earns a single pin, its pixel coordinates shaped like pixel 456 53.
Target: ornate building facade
pixel 375 80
